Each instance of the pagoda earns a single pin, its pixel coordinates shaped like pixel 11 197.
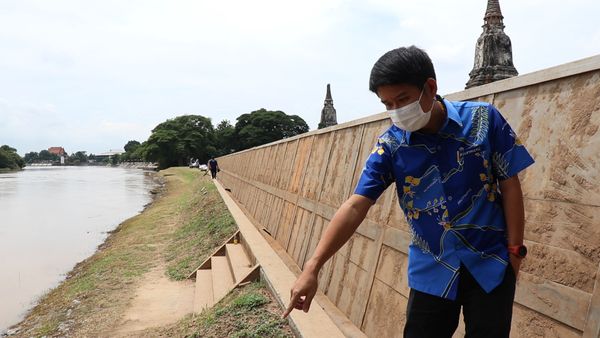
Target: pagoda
pixel 493 53
pixel 328 114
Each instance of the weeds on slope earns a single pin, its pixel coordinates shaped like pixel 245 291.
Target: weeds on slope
pixel 247 312
pixel 202 231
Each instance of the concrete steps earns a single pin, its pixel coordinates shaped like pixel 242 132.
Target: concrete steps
pixel 228 266
pixel 222 278
pixel 204 296
pixel 238 261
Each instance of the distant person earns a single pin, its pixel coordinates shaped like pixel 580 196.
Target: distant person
pixel 455 166
pixel 213 166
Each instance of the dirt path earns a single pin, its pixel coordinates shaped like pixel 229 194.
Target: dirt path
pixel 158 302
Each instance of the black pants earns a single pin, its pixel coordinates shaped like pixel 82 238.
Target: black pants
pixel 486 314
pixel 213 173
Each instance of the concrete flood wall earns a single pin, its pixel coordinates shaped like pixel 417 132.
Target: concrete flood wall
pixel 293 187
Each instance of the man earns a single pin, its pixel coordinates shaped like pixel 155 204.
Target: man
pixel 213 166
pixel 455 166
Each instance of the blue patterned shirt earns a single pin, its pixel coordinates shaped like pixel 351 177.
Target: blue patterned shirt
pixel 447 185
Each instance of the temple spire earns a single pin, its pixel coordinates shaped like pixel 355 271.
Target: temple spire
pixel 493 10
pixel 328 114
pixel 328 95
pixel 493 53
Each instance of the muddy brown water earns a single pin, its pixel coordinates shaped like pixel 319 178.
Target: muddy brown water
pixel 53 217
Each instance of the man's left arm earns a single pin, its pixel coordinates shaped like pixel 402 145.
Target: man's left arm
pixel 509 158
pixel 514 214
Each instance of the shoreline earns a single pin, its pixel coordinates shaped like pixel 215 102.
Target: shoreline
pixel 159 186
pixel 8 171
pixel 94 294
pixel 181 227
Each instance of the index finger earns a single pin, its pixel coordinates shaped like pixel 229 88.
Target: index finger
pixel 293 300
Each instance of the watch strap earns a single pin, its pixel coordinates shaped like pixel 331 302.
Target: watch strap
pixel 517 250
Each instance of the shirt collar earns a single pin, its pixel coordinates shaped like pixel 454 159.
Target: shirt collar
pixel 452 116
pixel 452 112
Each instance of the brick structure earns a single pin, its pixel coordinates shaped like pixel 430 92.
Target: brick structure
pixel 328 114
pixel 60 151
pixel 493 53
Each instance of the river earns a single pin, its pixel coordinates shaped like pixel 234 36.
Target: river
pixel 53 217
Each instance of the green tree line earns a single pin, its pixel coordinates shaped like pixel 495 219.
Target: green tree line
pixel 175 141
pixel 9 159
pixel 44 156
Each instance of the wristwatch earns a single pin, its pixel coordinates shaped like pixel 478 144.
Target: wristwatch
pixel 518 250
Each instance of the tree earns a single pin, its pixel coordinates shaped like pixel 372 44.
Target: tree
pixel 131 152
pixel 45 155
pixel 264 126
pixel 115 159
pixel 9 159
pixel 175 141
pixel 225 138
pixel 131 146
pixel 140 153
pixel 79 157
pixel 31 157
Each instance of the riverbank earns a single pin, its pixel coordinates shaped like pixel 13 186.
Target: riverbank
pixel 8 170
pixel 176 232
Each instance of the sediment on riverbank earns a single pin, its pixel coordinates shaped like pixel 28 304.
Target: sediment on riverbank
pixel 139 165
pixel 8 170
pixel 184 224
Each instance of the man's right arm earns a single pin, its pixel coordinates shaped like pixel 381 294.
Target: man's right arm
pixel 343 224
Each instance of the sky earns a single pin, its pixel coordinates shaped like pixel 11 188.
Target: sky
pixel 92 75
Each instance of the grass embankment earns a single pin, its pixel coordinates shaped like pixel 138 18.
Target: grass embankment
pixel 247 312
pixel 177 231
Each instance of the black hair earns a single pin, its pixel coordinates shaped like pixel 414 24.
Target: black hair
pixel 404 65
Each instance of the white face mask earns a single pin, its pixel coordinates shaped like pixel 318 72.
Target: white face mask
pixel 411 117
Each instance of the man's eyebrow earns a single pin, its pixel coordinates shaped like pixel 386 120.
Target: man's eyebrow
pixel 399 96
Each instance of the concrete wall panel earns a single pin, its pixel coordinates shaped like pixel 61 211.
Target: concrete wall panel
pixel 343 158
pixel 397 218
pixel 347 282
pixel 565 225
pixel 391 270
pixel 527 323
pixel 285 164
pixel 319 225
pixel 316 166
pixel 284 228
pixel 300 235
pixel 385 315
pixel 299 164
pixel 559 121
pixel 275 215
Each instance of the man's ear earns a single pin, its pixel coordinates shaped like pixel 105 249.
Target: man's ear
pixel 431 84
pixel 377 92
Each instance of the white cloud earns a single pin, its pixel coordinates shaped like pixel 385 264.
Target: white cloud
pixel 113 68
